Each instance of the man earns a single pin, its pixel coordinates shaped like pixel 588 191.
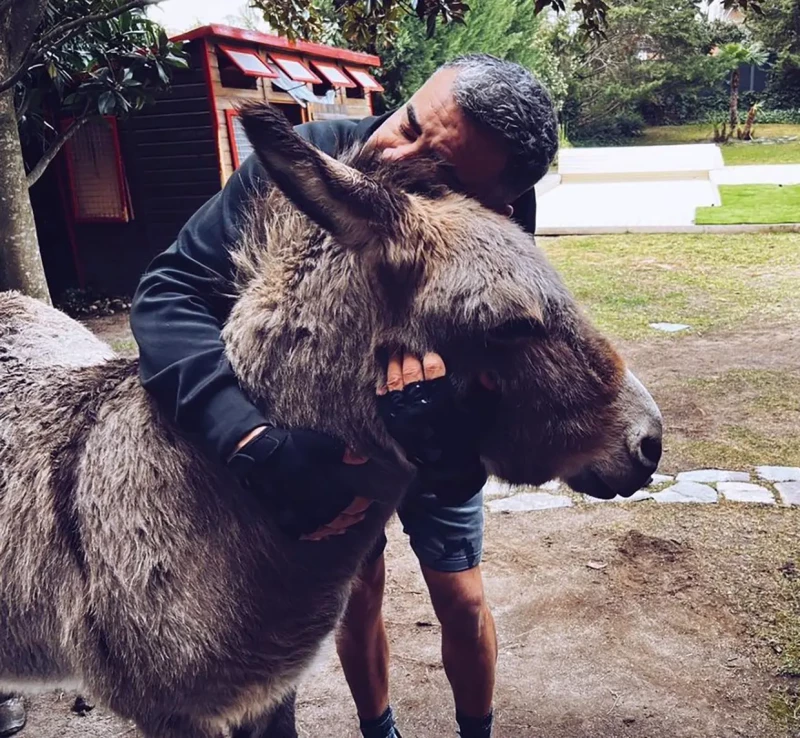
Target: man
pixel 495 124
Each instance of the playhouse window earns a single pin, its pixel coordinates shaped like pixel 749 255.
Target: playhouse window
pixel 335 76
pixel 241 147
pixel 97 181
pixel 248 62
pixel 365 79
pixel 241 68
pixel 296 70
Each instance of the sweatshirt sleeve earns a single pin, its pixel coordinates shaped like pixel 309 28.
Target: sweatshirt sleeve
pixel 183 301
pixel 177 316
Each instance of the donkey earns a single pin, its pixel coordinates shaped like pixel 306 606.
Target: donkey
pixel 135 566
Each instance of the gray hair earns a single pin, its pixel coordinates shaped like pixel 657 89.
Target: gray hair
pixel 506 98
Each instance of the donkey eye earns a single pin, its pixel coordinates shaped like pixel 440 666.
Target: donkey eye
pixel 518 329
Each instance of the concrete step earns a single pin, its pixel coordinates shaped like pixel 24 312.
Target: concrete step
pixel 781 174
pixel 637 163
pixel 548 182
pixel 646 204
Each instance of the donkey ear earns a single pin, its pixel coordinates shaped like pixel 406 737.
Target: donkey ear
pixel 518 330
pixel 349 205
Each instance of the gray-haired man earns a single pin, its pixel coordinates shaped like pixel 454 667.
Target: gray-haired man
pixel 495 124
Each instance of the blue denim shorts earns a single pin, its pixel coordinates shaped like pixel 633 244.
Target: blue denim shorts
pixel 446 539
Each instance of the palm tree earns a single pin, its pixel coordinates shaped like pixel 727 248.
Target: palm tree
pixel 731 58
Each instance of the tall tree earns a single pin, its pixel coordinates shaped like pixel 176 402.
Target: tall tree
pixel 510 29
pixel 368 23
pixel 731 58
pixel 778 30
pixel 654 61
pixel 76 58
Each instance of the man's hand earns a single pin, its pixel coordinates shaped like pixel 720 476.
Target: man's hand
pixel 292 472
pixel 438 434
pixel 349 517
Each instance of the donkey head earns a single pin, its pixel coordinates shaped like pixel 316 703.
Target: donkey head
pixel 432 270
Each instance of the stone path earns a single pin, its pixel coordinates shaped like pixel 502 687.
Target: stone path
pixel 768 485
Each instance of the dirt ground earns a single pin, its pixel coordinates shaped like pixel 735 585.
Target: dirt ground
pixel 729 399
pixel 657 644
pixel 680 634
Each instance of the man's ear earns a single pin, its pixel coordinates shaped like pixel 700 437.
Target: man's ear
pixel 349 205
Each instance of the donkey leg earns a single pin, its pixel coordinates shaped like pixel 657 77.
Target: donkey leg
pixel 12 714
pixel 278 723
pixel 176 726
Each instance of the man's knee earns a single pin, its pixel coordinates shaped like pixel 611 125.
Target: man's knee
pixel 366 598
pixel 465 618
pixel 459 602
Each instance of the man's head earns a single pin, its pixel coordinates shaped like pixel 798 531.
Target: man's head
pixel 491 119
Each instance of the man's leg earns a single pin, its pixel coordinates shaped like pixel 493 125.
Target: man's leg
pixel 364 649
pixel 362 643
pixel 469 640
pixel 448 542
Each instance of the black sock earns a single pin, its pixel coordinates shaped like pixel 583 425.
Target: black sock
pixel 382 727
pixel 470 727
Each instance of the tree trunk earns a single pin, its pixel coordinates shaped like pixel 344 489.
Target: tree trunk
pixel 20 261
pixel 747 134
pixel 734 120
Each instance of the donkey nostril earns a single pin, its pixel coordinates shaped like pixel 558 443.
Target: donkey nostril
pixel 651 449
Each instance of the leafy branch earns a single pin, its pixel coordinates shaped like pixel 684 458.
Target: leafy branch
pixel 55 147
pixel 61 33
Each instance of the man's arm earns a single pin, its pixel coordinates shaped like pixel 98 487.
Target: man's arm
pixel 183 301
pixel 177 316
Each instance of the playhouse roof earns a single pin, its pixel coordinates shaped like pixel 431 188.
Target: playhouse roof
pixel 257 38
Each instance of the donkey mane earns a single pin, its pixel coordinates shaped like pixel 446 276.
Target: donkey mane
pixel 271 214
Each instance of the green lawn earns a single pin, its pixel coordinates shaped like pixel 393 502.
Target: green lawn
pixel 708 281
pixel 756 153
pixel 753 204
pixel 722 412
pixel 738 152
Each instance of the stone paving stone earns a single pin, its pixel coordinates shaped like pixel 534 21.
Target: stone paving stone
pixel 529 501
pixel 660 479
pixel 790 492
pixel 779 473
pixel 669 327
pixel 635 497
pixel 687 492
pixel 711 476
pixel 745 492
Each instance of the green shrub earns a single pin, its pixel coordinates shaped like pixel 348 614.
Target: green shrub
pixel 764 117
pixel 616 130
pixel 778 116
pixel 90 303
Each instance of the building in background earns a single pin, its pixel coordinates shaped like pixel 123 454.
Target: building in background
pixel 123 190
